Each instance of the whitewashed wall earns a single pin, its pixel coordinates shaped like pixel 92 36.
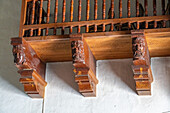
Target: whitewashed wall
pixel 115 90
pixel 12 96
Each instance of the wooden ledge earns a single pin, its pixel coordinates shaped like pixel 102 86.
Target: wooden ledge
pixel 114 45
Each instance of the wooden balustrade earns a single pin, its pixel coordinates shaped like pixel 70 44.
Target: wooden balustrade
pixel 35 14
pixel 37 22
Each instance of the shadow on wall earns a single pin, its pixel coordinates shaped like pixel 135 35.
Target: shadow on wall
pixel 161 71
pixel 8 72
pixel 122 69
pixel 9 24
pixel 65 73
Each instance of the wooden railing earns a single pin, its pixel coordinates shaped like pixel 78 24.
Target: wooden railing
pixel 38 19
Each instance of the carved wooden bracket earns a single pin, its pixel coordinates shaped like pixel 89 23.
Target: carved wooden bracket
pixel 84 67
pixel 31 68
pixel 141 63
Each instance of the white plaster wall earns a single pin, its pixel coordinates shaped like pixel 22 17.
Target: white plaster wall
pixel 115 91
pixel 12 96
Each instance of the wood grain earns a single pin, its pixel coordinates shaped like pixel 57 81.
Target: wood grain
pixel 98 22
pixel 114 45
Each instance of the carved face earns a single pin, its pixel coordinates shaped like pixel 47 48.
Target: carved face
pixel 139 48
pixel 18 54
pixel 77 51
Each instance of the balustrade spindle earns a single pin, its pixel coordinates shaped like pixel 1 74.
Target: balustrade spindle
pixel 128 8
pixel 112 9
pixel 55 14
pixel 146 13
pixel 40 16
pixel 71 14
pixel 137 12
pixel 146 24
pixel 48 16
pixel 163 7
pixel 95 14
pixel 120 8
pixel 138 25
pixel 112 14
pixel 33 12
pixel 79 15
pixel 64 13
pixel 48 11
pixel 155 24
pixel 137 8
pixel 129 24
pixel 154 7
pixel 95 10
pixel 146 8
pixel 87 16
pixel 104 28
pixel 163 12
pixel 104 9
pixel 120 13
pixel 104 13
pixel 154 12
pixel 164 23
pixel 29 14
pixel 32 16
pixel 56 11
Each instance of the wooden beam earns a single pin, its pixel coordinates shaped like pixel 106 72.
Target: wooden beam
pixel 141 63
pixel 114 45
pixel 31 68
pixel 84 67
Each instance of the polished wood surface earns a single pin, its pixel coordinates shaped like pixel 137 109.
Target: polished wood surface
pixel 84 67
pixel 114 45
pixel 107 37
pixel 98 22
pixel 31 68
pixel 141 63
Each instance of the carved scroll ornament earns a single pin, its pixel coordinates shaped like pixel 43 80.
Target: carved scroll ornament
pixel 77 51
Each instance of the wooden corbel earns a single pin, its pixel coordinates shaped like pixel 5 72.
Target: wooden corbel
pixel 84 67
pixel 31 68
pixel 141 63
